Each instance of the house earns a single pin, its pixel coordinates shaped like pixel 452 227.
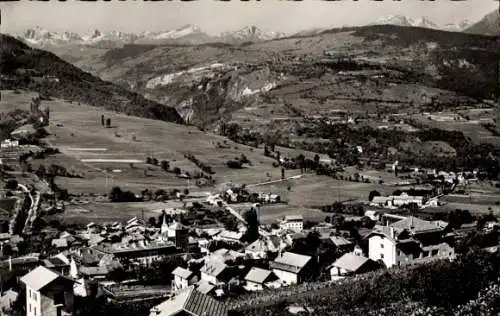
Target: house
pixel 190 302
pixel 342 244
pixel 142 252
pixel 48 293
pixel 205 287
pixel 215 272
pixel 183 278
pixel 257 279
pixel 381 201
pixel 404 199
pixel 60 243
pixel 94 273
pixel 373 215
pixel 225 255
pixel 291 268
pixel 408 240
pixel 9 144
pixel 7 299
pixel 293 222
pixel 262 247
pixel 350 264
pixel 229 236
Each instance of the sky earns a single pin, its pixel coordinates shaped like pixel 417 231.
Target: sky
pixel 214 16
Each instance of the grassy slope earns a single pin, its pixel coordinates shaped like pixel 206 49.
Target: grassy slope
pixel 81 128
pixel 74 84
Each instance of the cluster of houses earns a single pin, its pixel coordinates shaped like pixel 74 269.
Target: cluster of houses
pixel 207 273
pixel 240 195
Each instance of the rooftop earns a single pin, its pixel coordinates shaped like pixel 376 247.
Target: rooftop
pixel 258 275
pixel 40 277
pixel 293 259
pixel 191 302
pixel 183 273
pixel 415 225
pixel 350 262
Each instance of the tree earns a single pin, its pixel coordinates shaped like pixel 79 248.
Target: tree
pixel 316 161
pixel 300 159
pixel 116 194
pixel 282 173
pixel 177 170
pixel 108 123
pixel 155 162
pixel 338 221
pixel 186 192
pixel 234 164
pixel 152 221
pixel 11 184
pixel 252 220
pixel 328 219
pixel 41 171
pixel 165 165
pixel 373 194
pixel 102 120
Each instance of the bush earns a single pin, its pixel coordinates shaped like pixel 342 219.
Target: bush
pixel 11 185
pixel 117 195
pixel 234 164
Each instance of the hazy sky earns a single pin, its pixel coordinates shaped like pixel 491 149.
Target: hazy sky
pixel 214 16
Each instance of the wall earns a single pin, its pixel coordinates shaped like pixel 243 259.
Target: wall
pixel 290 278
pixel 378 246
pixel 208 278
pixel 33 302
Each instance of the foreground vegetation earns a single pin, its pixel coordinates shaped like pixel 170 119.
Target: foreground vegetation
pixel 439 286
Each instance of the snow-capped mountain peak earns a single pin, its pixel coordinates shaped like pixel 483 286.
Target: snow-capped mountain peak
pixel 251 33
pixel 177 33
pixel 402 20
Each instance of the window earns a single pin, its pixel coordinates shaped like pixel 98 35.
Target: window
pixel 381 256
pixel 399 253
pixel 30 308
pixel 381 245
pixel 29 292
pixel 34 311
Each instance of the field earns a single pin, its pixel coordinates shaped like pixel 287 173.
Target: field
pixel 116 156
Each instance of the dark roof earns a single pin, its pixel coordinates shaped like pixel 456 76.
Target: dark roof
pixel 192 302
pixel 201 304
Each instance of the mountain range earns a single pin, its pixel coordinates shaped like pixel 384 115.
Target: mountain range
pixel 188 34
pixel 191 34
pixel 402 20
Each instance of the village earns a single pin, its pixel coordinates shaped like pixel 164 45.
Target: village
pixel 212 249
pixel 197 268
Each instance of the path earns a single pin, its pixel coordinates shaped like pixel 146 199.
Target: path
pixel 276 181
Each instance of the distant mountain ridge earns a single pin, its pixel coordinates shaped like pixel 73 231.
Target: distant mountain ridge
pixel 401 20
pixel 489 25
pixel 190 34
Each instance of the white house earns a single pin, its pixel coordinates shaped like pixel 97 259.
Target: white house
pixel 290 267
pixel 9 144
pixel 182 279
pixel 293 222
pixel 373 215
pixel 214 272
pixel 260 248
pixel 48 293
pixel 400 243
pixel 350 264
pixel 257 279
